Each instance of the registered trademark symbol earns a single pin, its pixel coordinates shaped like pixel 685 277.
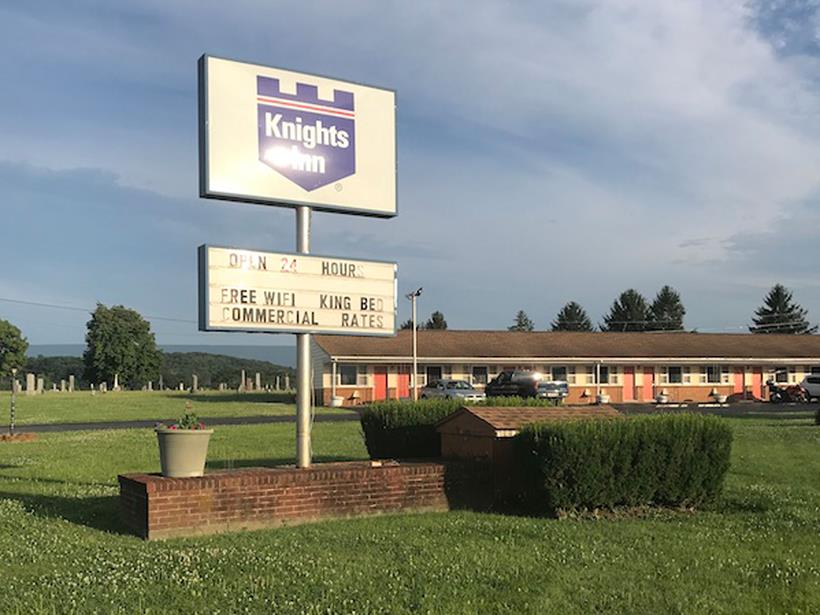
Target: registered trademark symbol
pixel 338 187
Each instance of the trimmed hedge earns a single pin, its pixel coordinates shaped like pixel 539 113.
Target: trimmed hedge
pixel 406 429
pixel 669 460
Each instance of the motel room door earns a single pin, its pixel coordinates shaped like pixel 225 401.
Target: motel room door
pixel 648 383
pixel 404 382
pixel 629 383
pixel 379 383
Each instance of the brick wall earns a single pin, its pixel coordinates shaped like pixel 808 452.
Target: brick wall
pixel 154 507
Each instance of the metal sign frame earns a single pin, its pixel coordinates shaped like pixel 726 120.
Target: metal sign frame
pixel 204 304
pixel 204 150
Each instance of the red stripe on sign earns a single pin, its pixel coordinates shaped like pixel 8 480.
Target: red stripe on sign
pixel 288 103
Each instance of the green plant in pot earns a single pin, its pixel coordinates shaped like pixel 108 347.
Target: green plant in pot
pixel 183 446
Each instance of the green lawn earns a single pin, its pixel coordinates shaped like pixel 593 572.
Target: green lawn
pixel 757 552
pixel 82 406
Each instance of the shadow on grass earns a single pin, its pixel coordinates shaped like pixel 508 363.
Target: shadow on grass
pixel 97 512
pixel 280 397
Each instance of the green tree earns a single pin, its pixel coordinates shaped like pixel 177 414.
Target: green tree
pixel 436 321
pixel 521 322
pixel 407 324
pixel 13 348
pixel 572 317
pixel 629 312
pixel 667 311
pixel 119 342
pixel 779 314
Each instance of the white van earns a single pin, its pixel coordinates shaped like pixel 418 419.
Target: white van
pixel 812 386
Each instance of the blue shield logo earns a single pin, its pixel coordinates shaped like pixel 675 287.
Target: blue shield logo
pixel 312 142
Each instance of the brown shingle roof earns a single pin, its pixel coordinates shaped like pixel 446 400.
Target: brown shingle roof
pixel 564 344
pixel 513 418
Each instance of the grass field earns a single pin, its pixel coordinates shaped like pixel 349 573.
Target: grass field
pixel 758 551
pixel 82 407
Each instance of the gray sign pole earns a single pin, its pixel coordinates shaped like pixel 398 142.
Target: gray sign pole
pixel 303 356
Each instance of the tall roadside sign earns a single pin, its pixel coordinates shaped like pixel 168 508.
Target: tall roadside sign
pixel 277 137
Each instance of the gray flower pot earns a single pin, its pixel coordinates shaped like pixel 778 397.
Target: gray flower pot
pixel 182 452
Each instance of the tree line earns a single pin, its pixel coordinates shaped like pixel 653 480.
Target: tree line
pixel 631 312
pixel 121 345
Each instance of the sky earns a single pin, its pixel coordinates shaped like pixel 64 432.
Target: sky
pixel 548 152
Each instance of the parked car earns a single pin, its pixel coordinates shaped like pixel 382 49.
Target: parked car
pixel 811 384
pixel 524 383
pixel 452 389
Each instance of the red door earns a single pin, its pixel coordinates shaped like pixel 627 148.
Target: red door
pixel 379 383
pixel 738 388
pixel 757 382
pixel 648 383
pixel 629 384
pixel 404 384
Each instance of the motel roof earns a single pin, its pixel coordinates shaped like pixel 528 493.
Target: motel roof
pixel 455 345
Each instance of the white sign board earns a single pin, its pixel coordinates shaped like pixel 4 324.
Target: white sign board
pixel 245 290
pixel 279 137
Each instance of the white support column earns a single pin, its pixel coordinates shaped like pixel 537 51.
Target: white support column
pixel 303 356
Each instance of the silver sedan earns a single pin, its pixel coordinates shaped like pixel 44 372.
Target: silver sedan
pixel 452 389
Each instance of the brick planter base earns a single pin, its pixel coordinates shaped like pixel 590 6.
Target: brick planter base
pixel 154 507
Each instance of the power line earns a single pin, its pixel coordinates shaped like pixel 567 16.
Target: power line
pixel 87 310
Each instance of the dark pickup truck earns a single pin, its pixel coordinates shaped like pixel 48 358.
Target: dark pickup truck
pixel 521 383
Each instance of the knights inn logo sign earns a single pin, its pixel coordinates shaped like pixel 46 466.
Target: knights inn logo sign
pixel 310 141
pixel 278 137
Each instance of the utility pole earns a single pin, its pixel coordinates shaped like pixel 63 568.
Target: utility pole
pixel 13 399
pixel 413 296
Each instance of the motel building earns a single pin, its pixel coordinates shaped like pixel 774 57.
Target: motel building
pixel 629 367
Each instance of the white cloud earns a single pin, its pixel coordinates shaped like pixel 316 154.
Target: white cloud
pixel 618 144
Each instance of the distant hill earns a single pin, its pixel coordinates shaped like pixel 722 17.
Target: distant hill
pixel 278 355
pixel 211 369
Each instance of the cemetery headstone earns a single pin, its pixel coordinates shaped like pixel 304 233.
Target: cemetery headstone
pixel 62 386
pixel 194 383
pixel 71 383
pixel 41 383
pixel 258 383
pixel 242 381
pixel 31 384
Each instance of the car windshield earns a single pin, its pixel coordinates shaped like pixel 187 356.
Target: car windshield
pixel 458 384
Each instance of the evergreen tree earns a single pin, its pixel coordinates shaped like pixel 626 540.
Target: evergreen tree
pixel 667 311
pixel 522 322
pixel 13 348
pixel 572 317
pixel 436 321
pixel 779 314
pixel 119 342
pixel 629 312
pixel 407 324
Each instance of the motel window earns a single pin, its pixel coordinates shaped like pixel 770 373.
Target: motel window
pixel 781 375
pixel 351 375
pixel 674 374
pixel 814 370
pixel 603 371
pixel 479 375
pixel 559 373
pixel 433 373
pixel 712 374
